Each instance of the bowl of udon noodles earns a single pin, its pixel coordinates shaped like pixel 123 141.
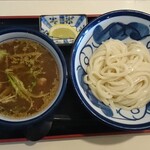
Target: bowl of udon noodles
pixel 33 76
pixel 110 68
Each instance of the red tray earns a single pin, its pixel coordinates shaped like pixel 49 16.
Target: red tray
pixel 67 121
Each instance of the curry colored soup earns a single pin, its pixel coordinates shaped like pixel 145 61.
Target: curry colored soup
pixel 29 78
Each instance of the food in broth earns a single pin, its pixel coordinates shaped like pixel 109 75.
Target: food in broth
pixel 29 78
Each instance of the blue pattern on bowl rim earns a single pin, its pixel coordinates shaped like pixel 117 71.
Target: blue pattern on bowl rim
pixel 48 21
pixel 123 25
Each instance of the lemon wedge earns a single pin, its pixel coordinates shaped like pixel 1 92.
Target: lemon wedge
pixel 63 31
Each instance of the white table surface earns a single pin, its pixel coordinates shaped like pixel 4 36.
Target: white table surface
pixel 45 7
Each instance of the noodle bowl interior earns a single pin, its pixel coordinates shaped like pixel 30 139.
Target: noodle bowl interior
pixel 29 78
pixel 118 74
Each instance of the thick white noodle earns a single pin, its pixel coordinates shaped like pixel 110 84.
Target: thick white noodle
pixel 119 74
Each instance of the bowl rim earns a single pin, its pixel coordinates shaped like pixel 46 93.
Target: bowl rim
pixel 49 112
pixel 111 14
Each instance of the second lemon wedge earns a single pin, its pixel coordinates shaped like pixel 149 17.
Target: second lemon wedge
pixel 63 31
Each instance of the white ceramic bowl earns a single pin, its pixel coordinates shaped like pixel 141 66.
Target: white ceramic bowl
pixel 122 25
pixel 49 22
pixel 10 34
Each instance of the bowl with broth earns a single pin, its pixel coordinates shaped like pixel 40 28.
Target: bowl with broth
pixel 110 68
pixel 33 76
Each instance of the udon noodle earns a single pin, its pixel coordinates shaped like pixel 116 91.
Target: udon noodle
pixel 119 74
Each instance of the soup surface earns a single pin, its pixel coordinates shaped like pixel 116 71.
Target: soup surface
pixel 29 78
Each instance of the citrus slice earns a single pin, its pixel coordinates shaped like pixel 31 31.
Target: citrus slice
pixel 63 31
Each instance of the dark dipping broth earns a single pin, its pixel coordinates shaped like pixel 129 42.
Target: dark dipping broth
pixel 29 78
